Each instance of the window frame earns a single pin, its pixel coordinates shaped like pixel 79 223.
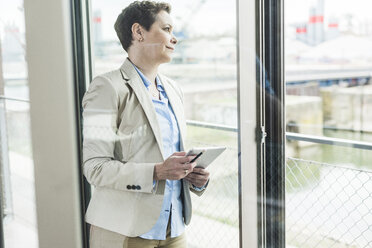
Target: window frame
pixel 247 123
pixel 272 107
pixel 55 154
pixel 261 35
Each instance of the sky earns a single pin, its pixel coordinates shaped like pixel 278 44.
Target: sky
pixel 219 16
pixel 297 10
pixel 10 12
pixel 214 16
pixel 211 17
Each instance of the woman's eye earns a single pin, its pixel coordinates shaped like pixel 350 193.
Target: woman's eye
pixel 167 29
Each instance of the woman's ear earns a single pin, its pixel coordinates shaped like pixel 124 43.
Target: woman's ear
pixel 137 32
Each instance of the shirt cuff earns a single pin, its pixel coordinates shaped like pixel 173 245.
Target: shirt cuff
pixel 200 188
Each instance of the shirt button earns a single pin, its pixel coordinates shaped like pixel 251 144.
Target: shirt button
pixel 129 187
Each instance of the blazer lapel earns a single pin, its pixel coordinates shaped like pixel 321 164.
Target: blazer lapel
pixel 177 107
pixel 135 81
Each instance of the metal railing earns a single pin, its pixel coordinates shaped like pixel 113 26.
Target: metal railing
pixel 329 141
pixel 295 136
pixel 317 75
pixel 16 139
pixel 215 221
pixel 289 135
pixel 327 205
pixel 5 184
pixel 14 99
pixel 212 126
pixel 18 203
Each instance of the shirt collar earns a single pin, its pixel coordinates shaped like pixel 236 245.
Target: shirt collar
pixel 147 82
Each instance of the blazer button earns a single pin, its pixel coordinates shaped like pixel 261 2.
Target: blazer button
pixel 138 187
pixel 129 187
pixel 133 186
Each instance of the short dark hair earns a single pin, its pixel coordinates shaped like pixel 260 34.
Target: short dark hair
pixel 141 12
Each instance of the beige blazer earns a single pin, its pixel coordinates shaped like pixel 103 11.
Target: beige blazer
pixel 122 143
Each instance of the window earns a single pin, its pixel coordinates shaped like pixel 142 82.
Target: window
pixel 289 95
pixel 328 100
pixel 205 67
pixel 16 160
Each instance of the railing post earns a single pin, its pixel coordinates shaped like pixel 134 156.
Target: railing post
pixel 5 190
pixel 2 150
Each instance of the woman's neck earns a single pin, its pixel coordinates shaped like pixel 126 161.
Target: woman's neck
pixel 149 70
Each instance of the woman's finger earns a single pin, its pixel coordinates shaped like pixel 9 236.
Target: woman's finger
pixel 195 176
pixel 179 154
pixel 201 171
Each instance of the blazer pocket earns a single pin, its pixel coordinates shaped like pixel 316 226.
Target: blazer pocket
pixel 124 145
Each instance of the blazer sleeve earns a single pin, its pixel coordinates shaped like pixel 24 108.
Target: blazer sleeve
pixel 100 166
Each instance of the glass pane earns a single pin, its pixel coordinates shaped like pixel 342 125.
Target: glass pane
pixel 217 210
pixel 16 161
pixel 204 66
pixel 328 54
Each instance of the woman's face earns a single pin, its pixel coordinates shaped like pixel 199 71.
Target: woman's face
pixel 159 42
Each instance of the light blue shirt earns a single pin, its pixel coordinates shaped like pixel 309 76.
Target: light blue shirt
pixel 172 204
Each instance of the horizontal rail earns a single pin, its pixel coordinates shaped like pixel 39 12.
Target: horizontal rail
pixel 320 76
pixel 329 141
pixel 364 170
pixel 211 126
pixel 14 99
pixel 294 136
pixel 330 128
pixel 289 135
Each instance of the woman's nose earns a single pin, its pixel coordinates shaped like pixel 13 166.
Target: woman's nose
pixel 174 40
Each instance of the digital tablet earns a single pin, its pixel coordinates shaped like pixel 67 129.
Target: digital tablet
pixel 207 155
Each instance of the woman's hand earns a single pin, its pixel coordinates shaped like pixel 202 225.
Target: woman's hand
pixel 175 167
pixel 199 177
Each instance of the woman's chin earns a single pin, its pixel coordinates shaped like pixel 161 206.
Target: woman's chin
pixel 165 59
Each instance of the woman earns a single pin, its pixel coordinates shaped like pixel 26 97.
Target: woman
pixel 134 129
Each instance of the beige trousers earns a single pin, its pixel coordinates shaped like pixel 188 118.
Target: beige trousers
pixel 102 238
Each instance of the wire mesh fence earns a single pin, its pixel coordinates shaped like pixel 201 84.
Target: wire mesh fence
pixel 215 221
pixel 327 205
pixel 17 174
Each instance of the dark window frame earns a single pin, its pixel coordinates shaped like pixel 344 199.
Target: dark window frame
pixel 82 76
pixel 270 52
pixel 270 119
